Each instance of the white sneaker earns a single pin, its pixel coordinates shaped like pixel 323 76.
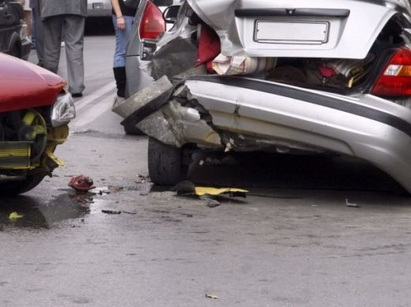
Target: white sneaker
pixel 63 44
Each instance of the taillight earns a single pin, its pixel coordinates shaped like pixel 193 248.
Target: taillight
pixel 152 24
pixel 396 77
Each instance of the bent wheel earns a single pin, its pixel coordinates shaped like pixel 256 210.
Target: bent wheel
pixel 165 163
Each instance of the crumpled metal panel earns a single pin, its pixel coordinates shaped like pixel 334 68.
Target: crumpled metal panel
pixel 175 57
pixel 177 125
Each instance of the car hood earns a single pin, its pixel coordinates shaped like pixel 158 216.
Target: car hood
pixel 25 85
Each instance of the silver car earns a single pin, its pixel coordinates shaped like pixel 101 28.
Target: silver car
pixel 263 75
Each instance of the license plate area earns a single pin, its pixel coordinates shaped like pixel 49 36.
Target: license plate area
pixel 97 6
pixel 291 32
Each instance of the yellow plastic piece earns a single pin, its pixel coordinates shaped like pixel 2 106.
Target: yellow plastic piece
pixel 217 191
pixel 15 216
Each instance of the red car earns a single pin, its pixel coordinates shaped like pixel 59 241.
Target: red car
pixel 35 110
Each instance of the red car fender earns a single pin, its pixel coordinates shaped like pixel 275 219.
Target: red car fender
pixel 24 85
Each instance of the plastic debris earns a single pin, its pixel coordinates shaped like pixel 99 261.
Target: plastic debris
pixel 212 296
pixel 353 205
pixel 188 188
pixel 81 183
pixel 232 192
pixel 14 216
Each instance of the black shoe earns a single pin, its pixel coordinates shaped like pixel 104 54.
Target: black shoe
pixel 77 95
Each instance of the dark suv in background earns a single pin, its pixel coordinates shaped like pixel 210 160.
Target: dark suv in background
pixel 13 30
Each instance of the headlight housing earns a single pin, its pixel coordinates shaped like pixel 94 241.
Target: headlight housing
pixel 63 110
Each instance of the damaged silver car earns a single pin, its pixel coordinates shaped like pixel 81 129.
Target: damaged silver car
pixel 263 75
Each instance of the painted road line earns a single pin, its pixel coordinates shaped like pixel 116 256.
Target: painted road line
pixel 93 106
pixel 80 104
pixel 89 115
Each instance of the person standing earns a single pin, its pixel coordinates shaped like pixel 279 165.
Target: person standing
pixel 37 30
pixel 27 15
pixel 65 18
pixel 123 22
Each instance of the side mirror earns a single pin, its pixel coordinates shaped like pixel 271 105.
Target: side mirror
pixel 163 2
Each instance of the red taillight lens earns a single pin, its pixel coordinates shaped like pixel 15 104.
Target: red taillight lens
pixel 152 24
pixel 396 77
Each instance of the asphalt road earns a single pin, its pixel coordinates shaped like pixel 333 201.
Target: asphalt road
pixel 311 232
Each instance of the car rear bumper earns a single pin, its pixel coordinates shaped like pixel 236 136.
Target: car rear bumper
pixel 241 114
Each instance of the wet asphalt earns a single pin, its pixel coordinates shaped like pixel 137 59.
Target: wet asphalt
pixel 296 239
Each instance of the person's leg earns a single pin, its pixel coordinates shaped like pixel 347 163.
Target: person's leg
pixel 27 18
pixel 51 36
pixel 74 43
pixel 119 61
pixel 33 28
pixel 37 35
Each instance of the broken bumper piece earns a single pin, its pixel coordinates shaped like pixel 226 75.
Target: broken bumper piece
pixel 242 114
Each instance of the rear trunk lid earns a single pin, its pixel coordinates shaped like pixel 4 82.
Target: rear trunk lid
pixel 315 29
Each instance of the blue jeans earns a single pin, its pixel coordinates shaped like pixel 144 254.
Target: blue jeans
pixel 122 37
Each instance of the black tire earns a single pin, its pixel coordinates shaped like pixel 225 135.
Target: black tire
pixel 19 186
pixel 165 163
pixel 15 51
pixel 132 130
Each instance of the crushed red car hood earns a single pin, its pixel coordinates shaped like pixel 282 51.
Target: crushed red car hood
pixel 25 85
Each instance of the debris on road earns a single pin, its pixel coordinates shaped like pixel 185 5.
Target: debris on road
pixel 352 205
pixel 188 188
pixel 141 178
pixel 81 183
pixel 117 212
pixel 208 194
pixel 128 212
pixel 14 216
pixel 212 296
pixel 111 211
pixel 212 203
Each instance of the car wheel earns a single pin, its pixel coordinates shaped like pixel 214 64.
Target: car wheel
pixel 14 187
pixel 15 51
pixel 165 163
